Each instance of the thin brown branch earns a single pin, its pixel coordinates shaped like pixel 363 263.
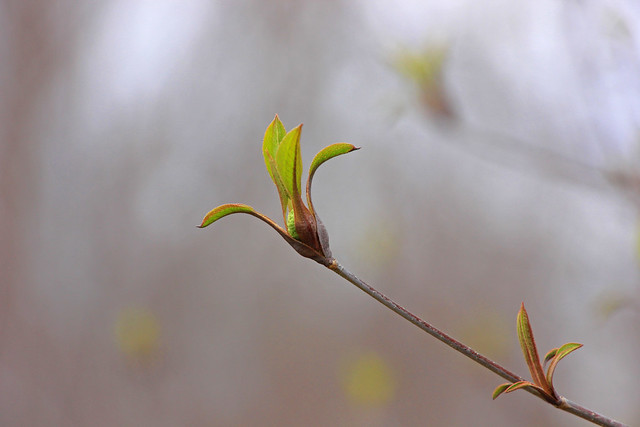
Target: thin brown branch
pixel 561 403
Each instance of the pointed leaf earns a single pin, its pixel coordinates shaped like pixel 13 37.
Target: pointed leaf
pixel 528 344
pixel 323 155
pixel 499 390
pixel 528 384
pixel 224 210
pixel 328 153
pixel 560 354
pixel 509 387
pixel 550 355
pixel 272 139
pixel 300 247
pixel 521 384
pixel 289 162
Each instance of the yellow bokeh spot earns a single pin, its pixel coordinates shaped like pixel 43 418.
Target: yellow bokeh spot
pixel 425 69
pixel 487 332
pixel 379 245
pixel 609 303
pixel 137 332
pixel 369 381
pixel 422 67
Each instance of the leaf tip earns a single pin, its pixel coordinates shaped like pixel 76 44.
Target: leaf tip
pixel 499 390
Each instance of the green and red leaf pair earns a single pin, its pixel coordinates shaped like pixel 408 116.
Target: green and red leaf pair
pixel 541 381
pixel 303 229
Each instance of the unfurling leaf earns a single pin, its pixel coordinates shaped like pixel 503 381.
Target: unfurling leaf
pixel 543 384
pixel 289 162
pixel 509 387
pixel 499 390
pixel 323 155
pixel 528 344
pixel 272 139
pixel 224 210
pixel 522 384
pixel 328 153
pixel 303 230
pixel 560 354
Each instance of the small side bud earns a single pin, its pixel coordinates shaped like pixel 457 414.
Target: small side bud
pixel 291 225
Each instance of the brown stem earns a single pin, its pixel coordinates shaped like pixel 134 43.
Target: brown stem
pixel 562 403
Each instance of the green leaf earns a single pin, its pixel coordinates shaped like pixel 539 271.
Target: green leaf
pixel 328 153
pixel 224 210
pixel 282 191
pixel 499 390
pixel 528 344
pixel 522 384
pixel 422 67
pixel 272 139
pixel 560 354
pixel 323 155
pixel 509 387
pixel 289 162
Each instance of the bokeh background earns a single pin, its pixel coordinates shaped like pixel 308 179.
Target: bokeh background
pixel 499 164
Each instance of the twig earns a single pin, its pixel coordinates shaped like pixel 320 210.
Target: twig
pixel 561 403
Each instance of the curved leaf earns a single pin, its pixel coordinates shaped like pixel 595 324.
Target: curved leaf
pixel 499 390
pixel 560 354
pixel 528 384
pixel 323 155
pixel 272 139
pixel 224 210
pixel 509 387
pixel 328 153
pixel 228 209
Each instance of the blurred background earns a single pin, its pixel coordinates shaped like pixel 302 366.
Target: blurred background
pixel 499 164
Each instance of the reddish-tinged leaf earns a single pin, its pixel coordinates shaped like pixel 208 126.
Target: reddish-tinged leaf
pixel 323 155
pixel 524 384
pixel 560 354
pixel 528 344
pixel 509 387
pixel 224 210
pixel 520 384
pixel 289 163
pixel 499 390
